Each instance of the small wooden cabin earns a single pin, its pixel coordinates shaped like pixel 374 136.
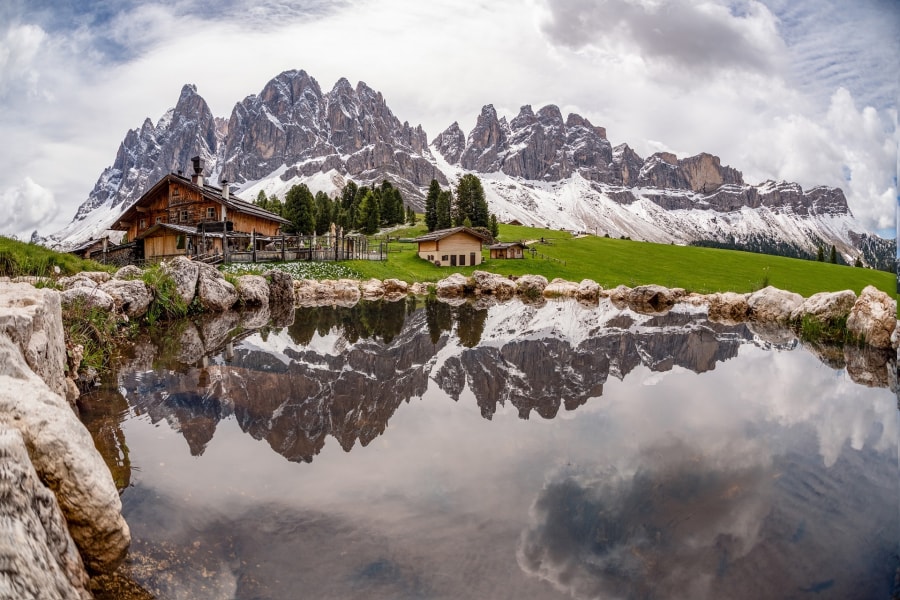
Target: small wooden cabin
pixel 182 216
pixel 508 250
pixel 456 247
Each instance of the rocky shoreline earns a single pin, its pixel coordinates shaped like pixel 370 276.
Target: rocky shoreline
pixel 62 511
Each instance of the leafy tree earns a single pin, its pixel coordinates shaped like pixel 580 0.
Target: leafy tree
pixel 431 200
pixel 300 210
pixel 833 257
pixel 445 200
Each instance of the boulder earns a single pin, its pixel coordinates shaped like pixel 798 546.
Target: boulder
pixel 771 305
pixel 826 307
pixel 216 327
pixel 88 298
pixel 869 366
pixel 281 287
pixel 128 272
pixel 253 290
pixel 619 295
pixel 64 456
pixel 395 288
pixel 588 291
pixel 185 273
pixel 97 277
pixel 873 317
pixel 190 344
pixel 32 319
pixel 453 286
pixel 653 298
pixel 494 285
pixel 39 557
pixel 531 286
pixel 372 289
pixel 131 297
pixel 728 307
pixel 215 293
pixel 346 290
pixel 560 288
pixel 255 317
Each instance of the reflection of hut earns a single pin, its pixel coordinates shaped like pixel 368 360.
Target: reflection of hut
pixel 508 250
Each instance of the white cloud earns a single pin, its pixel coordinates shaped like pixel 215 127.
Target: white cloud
pixel 26 206
pixel 18 49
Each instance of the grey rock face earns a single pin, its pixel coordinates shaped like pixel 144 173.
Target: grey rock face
pixel 253 290
pixel 293 123
pixel 148 153
pixel 132 298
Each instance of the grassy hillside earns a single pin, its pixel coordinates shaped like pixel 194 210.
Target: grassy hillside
pixel 611 262
pixel 20 258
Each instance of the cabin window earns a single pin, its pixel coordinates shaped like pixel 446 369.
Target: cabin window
pixel 471 258
pixel 143 223
pixel 159 219
pixel 444 258
pixel 211 212
pixel 176 192
pixel 462 260
pixel 184 216
pixel 179 242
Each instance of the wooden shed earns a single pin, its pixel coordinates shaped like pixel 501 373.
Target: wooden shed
pixel 508 250
pixel 456 247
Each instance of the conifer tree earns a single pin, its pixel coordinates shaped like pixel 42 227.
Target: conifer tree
pixel 431 218
pixel 300 209
pixel 494 226
pixel 445 200
pixel 470 202
pixel 410 216
pixel 820 254
pixel 833 255
pixel 367 218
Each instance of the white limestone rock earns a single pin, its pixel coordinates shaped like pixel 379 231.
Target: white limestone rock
pixel 38 556
pixel 873 317
pixel 253 290
pixel 771 305
pixel 64 456
pixel 131 297
pixel 215 293
pixel 826 306
pixel 185 273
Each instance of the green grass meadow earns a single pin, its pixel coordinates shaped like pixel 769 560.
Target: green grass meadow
pixel 611 262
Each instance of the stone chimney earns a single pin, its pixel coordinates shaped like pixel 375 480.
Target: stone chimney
pixel 226 192
pixel 197 177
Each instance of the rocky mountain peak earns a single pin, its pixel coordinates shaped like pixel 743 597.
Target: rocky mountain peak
pixel 450 143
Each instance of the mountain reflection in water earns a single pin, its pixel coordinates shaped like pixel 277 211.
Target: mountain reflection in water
pixel 774 474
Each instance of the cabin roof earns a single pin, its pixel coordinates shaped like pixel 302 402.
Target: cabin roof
pixel 505 245
pixel 443 233
pixel 209 192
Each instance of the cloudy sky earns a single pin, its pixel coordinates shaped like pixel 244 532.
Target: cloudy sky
pixel 801 90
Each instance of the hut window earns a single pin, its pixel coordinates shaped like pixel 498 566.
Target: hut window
pixel 159 219
pixel 210 212
pixel 179 242
pixel 444 258
pixel 184 216
pixel 143 223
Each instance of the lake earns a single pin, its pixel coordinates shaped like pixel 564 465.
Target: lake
pixel 418 449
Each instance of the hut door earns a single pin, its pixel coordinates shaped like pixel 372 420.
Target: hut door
pixel 452 260
pixel 471 258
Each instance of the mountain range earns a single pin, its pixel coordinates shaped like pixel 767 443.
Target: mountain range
pixel 538 169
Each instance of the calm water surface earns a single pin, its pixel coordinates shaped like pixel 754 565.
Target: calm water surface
pixel 519 451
